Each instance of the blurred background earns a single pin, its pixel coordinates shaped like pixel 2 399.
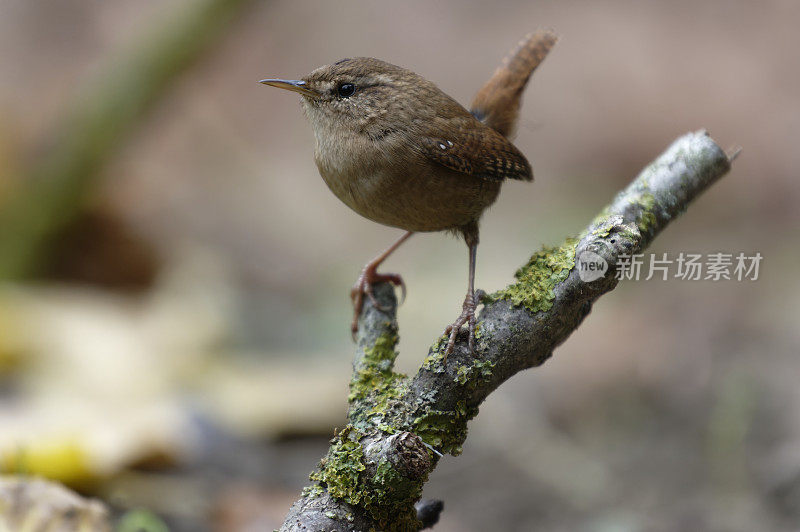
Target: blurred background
pixel 174 303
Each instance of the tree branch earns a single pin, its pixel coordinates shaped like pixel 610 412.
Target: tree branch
pixel 400 426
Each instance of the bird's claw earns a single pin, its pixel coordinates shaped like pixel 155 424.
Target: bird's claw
pixel 467 317
pixel 363 285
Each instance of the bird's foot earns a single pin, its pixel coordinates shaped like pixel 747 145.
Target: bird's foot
pixel 467 317
pixel 363 286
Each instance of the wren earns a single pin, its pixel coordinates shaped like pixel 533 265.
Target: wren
pixel 399 151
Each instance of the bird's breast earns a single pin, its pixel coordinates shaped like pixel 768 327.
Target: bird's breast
pixel 394 185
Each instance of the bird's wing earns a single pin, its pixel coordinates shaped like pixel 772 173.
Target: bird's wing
pixel 478 151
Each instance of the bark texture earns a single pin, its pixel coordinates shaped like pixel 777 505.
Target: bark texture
pixel 400 426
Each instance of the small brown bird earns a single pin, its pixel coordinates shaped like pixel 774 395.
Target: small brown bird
pixel 399 151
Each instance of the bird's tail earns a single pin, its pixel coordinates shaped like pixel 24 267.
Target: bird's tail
pixel 497 103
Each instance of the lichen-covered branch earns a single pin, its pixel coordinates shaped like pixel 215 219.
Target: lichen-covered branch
pixel 400 426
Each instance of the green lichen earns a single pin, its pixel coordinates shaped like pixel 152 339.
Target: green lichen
pixel 388 496
pixel 602 224
pixel 537 279
pixel 476 373
pixel 375 388
pixel 629 233
pixel 478 330
pixel 602 227
pixel 612 225
pixel 435 360
pixel 393 499
pixel 313 491
pixel 646 221
pixel 339 471
pixel 445 430
pixel 346 472
pixel 381 354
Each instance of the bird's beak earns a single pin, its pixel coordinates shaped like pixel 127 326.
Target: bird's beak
pixel 292 85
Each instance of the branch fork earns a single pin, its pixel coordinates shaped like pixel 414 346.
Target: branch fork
pixel 399 426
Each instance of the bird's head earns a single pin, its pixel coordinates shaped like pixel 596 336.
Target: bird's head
pixel 362 94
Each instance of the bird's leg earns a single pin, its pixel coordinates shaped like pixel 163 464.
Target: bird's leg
pixel 369 276
pixel 470 301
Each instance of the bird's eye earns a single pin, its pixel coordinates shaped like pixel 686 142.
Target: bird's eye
pixel 345 90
